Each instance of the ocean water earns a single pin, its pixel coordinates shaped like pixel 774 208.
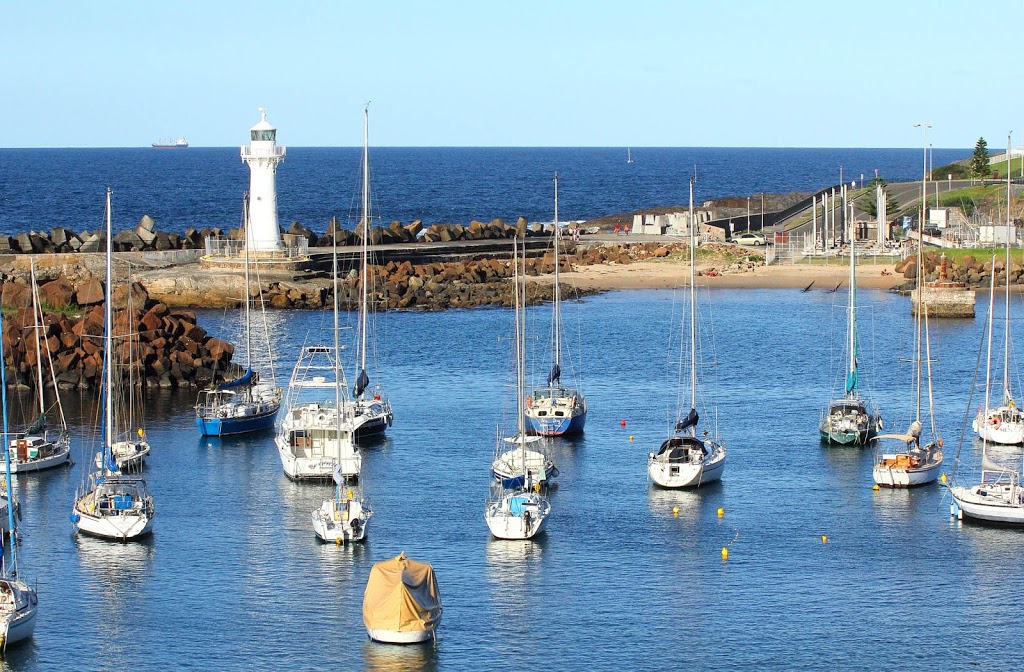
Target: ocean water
pixel 203 187
pixel 233 577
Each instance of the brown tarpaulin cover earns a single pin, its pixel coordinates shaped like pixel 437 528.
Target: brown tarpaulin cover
pixel 401 595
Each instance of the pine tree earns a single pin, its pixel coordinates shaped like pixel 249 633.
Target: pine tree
pixel 979 160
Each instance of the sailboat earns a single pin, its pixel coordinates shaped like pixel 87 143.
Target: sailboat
pixel 112 505
pixel 248 403
pixel 516 509
pixel 850 420
pixel 553 409
pixel 684 460
pixel 315 438
pixel 39 447
pixel 401 603
pixel 903 461
pixel 999 497
pixel 371 414
pixel 342 518
pixel 629 157
pixel 18 601
pixel 128 447
pixel 1005 423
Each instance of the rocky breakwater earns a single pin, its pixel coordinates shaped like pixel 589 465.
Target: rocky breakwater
pixel 147 237
pixel 169 348
pixel 970 270
pixel 396 285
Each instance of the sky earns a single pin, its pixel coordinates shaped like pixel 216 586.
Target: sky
pixel 561 73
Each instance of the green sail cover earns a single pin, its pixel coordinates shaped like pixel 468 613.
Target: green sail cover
pixel 38 426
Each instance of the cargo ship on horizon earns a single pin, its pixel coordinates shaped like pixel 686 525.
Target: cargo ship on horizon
pixel 180 143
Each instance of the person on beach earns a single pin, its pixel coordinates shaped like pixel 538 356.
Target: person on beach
pixel 616 229
pixel 625 229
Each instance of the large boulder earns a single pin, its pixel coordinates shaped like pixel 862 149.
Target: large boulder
pixel 57 293
pixel 90 293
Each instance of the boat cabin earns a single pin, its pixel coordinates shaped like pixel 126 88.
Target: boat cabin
pixel 682 449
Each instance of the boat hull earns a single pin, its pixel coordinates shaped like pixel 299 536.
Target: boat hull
pixel 507 526
pixel 555 426
pixel 244 425
pixel 330 527
pixel 891 476
pixel 56 460
pixel 314 468
pixel 400 637
pixel 687 474
pixel 990 503
pixel 118 528
pixel 996 430
pixel 20 624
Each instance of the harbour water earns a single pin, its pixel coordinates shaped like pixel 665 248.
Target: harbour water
pixel 203 187
pixel 233 577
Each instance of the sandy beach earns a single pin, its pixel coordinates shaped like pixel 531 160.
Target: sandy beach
pixel 662 274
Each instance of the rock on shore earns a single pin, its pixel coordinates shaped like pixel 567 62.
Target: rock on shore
pixel 171 349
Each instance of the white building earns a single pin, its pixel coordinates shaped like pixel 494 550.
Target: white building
pixel 262 156
pixel 673 223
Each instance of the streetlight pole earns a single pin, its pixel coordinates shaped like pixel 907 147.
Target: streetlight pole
pixel 748 213
pixel 924 184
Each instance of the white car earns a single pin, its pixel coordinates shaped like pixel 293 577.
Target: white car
pixel 749 238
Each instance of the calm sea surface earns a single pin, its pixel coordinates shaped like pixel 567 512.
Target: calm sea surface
pixel 233 577
pixel 203 187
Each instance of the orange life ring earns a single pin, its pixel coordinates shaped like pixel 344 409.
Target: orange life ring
pixel 995 421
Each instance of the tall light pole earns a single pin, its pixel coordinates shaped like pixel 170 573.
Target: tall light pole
pixel 931 162
pixel 748 213
pixel 924 184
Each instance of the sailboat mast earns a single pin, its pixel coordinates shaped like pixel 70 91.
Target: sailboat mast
pixel 108 345
pixel 556 316
pixel 920 273
pixel 853 318
pixel 366 235
pixel 693 306
pixel 248 329
pixel 520 300
pixel 37 328
pixel 337 345
pixel 7 465
pixel 988 361
pixel 1006 271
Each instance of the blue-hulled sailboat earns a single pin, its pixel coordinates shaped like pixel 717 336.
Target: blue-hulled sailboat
pixel 248 403
pixel 554 409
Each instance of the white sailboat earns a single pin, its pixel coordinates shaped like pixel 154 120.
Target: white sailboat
pixel 315 438
pixel 629 157
pixel 112 505
pixel 248 403
pixel 554 409
pixel 342 518
pixel 18 600
pixel 128 445
pixel 38 447
pixel 903 461
pixel 684 460
pixel 516 509
pixel 1004 423
pixel 371 412
pixel 851 419
pixel 999 497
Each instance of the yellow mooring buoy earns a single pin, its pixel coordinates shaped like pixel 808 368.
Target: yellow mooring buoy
pixel 824 538
pixel 876 488
pixel 725 553
pixel 943 478
pixel 675 510
pixel 721 512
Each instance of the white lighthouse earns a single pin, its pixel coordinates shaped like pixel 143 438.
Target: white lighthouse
pixel 263 155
